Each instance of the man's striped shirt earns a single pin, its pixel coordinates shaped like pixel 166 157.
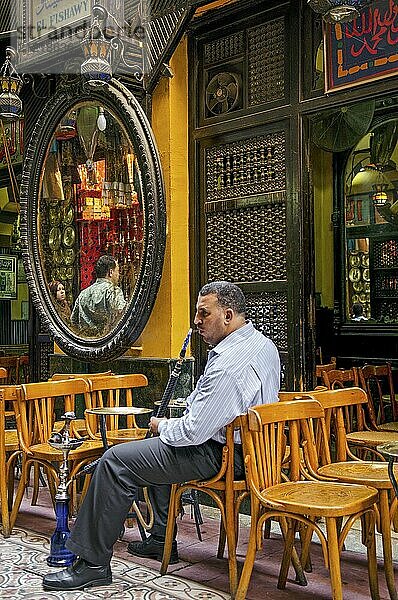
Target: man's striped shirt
pixel 242 370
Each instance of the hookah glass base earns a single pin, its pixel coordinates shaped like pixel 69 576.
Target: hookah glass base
pixel 60 556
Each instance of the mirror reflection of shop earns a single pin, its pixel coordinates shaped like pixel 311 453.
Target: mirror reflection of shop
pixel 91 201
pixel 371 225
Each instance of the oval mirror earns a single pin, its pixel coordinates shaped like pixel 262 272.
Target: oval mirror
pixel 93 219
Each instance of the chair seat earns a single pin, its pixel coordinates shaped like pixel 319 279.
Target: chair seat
pixel 88 449
pixel 11 440
pixel 320 499
pixel 392 426
pixel 119 436
pixel 367 472
pixel 371 438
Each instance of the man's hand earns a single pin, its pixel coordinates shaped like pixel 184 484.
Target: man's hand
pixel 154 423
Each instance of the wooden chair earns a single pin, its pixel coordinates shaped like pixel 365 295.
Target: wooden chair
pixel 79 424
pixel 35 418
pixel 339 378
pixel 11 364
pixel 320 368
pixel 347 468
pixel 9 452
pixel 227 493
pixel 3 375
pixel 298 500
pixel 114 390
pixel 378 383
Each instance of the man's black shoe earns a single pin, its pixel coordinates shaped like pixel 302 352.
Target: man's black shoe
pixel 77 577
pixel 153 548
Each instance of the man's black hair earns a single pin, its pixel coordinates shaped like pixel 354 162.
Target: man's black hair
pixel 104 264
pixel 228 295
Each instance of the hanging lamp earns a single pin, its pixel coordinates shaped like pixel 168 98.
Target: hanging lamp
pixel 339 11
pixel 10 86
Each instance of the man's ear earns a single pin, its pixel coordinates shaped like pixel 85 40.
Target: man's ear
pixel 229 314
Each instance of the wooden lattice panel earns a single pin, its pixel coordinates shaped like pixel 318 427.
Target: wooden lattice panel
pixel 224 48
pixel 255 165
pixel 268 312
pixel 266 74
pixel 247 244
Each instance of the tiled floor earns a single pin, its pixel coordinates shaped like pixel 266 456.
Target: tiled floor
pixel 199 574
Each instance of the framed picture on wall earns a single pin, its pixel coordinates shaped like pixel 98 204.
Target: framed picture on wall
pixel 8 277
pixel 364 49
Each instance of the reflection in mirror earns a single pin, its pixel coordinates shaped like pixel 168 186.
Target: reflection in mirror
pixel 371 226
pixel 91 224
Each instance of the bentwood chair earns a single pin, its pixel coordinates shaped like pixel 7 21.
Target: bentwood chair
pixel 9 452
pixel 378 383
pixel 111 391
pixel 11 364
pixel 320 368
pixel 35 417
pixel 290 495
pixel 227 493
pixel 80 424
pixel 347 468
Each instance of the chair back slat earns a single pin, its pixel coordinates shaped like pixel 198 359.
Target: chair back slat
pixel 339 378
pixel 37 402
pixel 335 403
pixel 377 381
pixel 269 427
pixel 63 376
pixel 107 391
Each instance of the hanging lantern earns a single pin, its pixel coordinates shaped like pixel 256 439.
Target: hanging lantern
pixel 10 86
pixel 67 127
pixel 96 68
pixel 339 11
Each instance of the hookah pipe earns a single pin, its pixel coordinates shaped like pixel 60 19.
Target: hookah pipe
pixel 59 555
pixel 172 383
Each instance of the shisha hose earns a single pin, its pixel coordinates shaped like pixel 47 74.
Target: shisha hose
pixel 172 382
pixel 162 409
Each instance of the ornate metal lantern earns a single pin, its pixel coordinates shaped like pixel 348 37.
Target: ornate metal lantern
pixel 339 11
pixel 10 84
pixel 97 68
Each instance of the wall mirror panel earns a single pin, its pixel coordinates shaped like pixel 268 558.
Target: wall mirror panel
pixel 93 219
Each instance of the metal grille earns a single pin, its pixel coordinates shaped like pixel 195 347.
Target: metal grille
pixel 386 311
pixel 266 44
pixel 224 48
pixel 252 166
pixel 385 253
pixel 267 311
pixel 247 244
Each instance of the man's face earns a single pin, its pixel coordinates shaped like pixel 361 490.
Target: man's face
pixel 114 275
pixel 211 319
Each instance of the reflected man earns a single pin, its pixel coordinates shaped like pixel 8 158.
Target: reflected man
pixel 98 308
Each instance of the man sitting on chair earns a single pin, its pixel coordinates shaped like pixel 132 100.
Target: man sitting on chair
pixel 242 370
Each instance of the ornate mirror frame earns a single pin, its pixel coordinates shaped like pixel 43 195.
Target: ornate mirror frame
pixel 124 105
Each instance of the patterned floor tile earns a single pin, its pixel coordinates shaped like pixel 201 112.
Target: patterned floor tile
pixel 23 564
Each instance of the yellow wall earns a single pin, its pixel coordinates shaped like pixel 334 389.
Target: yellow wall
pixel 323 231
pixel 169 322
